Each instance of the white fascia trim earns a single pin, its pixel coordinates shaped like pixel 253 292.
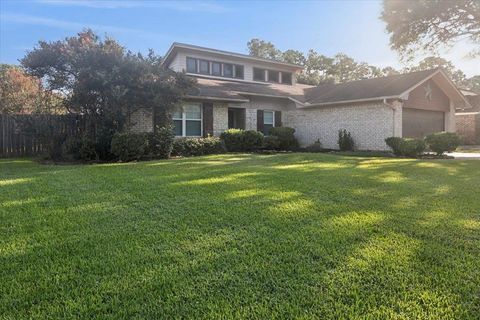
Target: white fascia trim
pixel 350 101
pixel 466 113
pixel 216 99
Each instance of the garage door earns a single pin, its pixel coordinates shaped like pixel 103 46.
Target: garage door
pixel 418 123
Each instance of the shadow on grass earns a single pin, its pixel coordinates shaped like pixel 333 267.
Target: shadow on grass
pixel 242 236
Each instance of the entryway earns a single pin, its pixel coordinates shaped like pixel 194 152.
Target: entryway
pixel 236 118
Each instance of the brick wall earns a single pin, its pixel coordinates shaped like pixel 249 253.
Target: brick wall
pixel 468 126
pixel 141 121
pixel 369 125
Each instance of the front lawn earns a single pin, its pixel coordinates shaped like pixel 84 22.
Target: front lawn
pixel 241 236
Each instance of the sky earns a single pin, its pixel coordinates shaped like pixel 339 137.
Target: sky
pixel 329 27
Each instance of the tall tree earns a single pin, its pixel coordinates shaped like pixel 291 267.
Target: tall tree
pixel 263 49
pixel 431 24
pixel 455 74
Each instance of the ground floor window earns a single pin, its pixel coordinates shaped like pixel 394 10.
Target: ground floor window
pixel 187 120
pixel 268 121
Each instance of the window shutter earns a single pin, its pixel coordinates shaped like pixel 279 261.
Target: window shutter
pixel 207 117
pixel 260 120
pixel 278 118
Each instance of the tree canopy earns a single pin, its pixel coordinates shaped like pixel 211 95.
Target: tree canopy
pixel 431 24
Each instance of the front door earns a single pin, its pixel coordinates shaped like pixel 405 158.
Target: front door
pixel 236 118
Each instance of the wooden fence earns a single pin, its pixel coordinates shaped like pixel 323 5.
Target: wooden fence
pixel 20 134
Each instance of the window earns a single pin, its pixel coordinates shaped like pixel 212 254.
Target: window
pixel 286 77
pixel 268 121
pixel 273 76
pixel 258 74
pixel 227 70
pixel 238 71
pixel 191 65
pixel 187 120
pixel 204 67
pixel 216 69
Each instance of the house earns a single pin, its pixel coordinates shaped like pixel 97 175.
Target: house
pixel 468 119
pixel 241 91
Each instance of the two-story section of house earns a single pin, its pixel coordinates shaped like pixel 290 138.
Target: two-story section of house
pixel 240 91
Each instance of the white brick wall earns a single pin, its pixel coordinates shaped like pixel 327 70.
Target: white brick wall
pixel 220 118
pixel 369 125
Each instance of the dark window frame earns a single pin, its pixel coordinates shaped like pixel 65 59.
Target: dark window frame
pixel 210 72
pixel 196 64
pixel 273 71
pixel 220 69
pixel 290 75
pixel 208 66
pixel 235 75
pixel 263 72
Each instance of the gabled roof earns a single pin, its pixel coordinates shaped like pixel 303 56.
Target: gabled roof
pixel 177 45
pixel 391 87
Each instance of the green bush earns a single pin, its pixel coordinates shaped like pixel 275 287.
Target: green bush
pixel 242 140
pixel 407 147
pixel 128 146
pixel 197 146
pixel 345 140
pixel 286 137
pixel 442 142
pixel 160 142
pixel 315 147
pixel 271 143
pixel 78 148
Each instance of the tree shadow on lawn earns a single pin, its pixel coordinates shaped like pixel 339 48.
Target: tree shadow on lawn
pixel 284 235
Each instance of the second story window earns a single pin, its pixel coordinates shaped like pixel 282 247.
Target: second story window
pixel 258 74
pixel 286 77
pixel 238 71
pixel 191 65
pixel 228 70
pixel 204 67
pixel 273 76
pixel 216 69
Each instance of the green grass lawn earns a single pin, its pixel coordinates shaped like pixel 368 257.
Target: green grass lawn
pixel 241 236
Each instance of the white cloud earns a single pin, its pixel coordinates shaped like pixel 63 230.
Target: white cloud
pixel 201 6
pixel 71 25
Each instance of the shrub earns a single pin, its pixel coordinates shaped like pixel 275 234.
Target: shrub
pixel 242 140
pixel 406 147
pixel 315 147
pixel 128 146
pixel 271 143
pixel 442 142
pixel 394 143
pixel 345 140
pixel 197 146
pixel 160 142
pixel 286 137
pixel 79 148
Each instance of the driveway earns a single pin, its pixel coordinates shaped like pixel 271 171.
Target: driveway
pixel 466 152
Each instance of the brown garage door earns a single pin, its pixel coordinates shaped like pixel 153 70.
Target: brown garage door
pixel 418 123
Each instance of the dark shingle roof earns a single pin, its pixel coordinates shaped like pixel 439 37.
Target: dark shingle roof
pixel 377 88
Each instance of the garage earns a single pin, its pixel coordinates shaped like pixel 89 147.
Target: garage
pixel 418 123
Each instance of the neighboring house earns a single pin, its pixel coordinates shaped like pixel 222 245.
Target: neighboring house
pixel 241 91
pixel 468 120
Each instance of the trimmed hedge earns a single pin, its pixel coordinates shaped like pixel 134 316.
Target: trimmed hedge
pixel 442 142
pixel 407 147
pixel 242 140
pixel 160 142
pixel 197 146
pixel 128 146
pixel 286 138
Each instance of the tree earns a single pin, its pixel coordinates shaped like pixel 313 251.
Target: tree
pixel 23 94
pixel 263 49
pixel 294 57
pixel 430 24
pixel 105 82
pixel 474 83
pixel 455 74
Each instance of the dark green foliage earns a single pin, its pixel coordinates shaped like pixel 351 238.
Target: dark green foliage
pixel 345 140
pixel 406 147
pixel 442 142
pixel 197 146
pixel 286 137
pixel 242 140
pixel 315 147
pixel 128 146
pixel 78 148
pixel 394 143
pixel 271 143
pixel 160 142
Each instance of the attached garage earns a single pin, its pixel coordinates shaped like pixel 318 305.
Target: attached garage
pixel 418 123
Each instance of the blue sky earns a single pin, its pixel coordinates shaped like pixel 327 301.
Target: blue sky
pixel 352 27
